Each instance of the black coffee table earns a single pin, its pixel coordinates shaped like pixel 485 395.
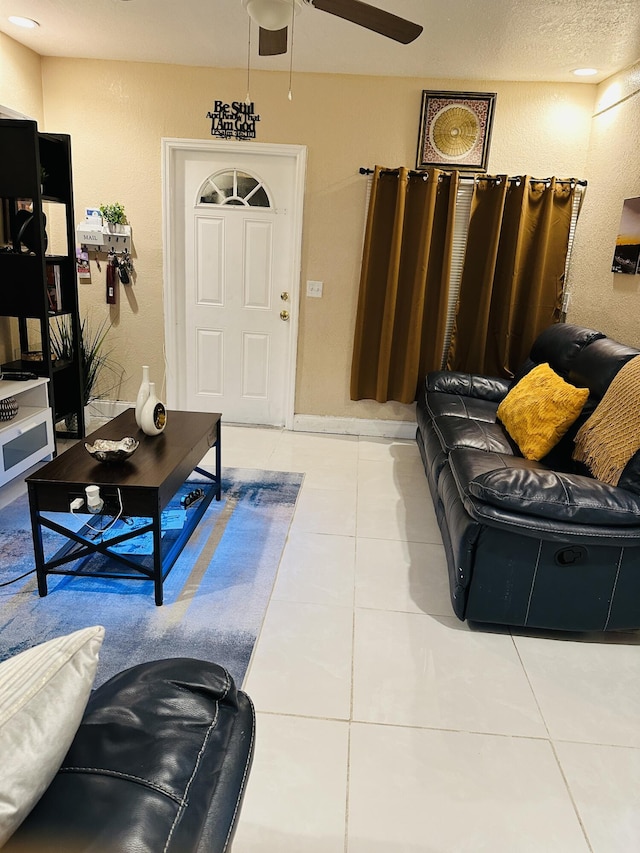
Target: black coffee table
pixel 139 487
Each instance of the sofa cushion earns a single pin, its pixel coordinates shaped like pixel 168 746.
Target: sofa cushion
pixel 608 441
pixel 566 497
pixel 630 478
pixel 455 432
pixel 43 694
pixel 468 465
pixel 440 403
pixel 559 345
pixel 468 384
pixel 539 410
pixel 596 365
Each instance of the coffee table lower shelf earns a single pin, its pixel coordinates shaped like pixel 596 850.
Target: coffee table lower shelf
pixel 81 544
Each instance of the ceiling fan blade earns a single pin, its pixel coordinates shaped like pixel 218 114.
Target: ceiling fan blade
pixel 272 42
pixel 371 18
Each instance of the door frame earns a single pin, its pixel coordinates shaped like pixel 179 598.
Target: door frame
pixel 174 300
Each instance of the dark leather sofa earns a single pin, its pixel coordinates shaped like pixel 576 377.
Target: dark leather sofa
pixel 159 763
pixel 525 546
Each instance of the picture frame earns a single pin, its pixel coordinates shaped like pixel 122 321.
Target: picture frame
pixel 626 255
pixel 455 130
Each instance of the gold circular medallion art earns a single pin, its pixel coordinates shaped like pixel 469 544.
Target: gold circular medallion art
pixel 454 131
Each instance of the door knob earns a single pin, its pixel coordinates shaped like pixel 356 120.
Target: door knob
pixel 284 315
pixel 284 296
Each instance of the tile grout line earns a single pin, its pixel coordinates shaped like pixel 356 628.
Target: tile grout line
pixel 423 728
pixel 353 661
pixel 552 746
pixel 571 798
pixel 533 692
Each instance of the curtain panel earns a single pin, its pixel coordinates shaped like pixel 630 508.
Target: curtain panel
pixel 513 274
pixel 402 303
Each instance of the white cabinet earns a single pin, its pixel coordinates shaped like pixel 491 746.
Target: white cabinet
pixel 28 438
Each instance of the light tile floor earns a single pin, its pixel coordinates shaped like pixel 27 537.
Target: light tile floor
pixel 385 725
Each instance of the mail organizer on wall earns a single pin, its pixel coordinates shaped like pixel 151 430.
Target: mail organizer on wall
pixel 101 238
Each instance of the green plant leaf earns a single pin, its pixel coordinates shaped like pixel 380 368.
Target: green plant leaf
pixel 95 359
pixel 113 213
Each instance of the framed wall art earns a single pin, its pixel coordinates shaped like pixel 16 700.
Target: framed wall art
pixel 626 255
pixel 455 130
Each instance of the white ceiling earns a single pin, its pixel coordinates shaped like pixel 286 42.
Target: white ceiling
pixel 468 39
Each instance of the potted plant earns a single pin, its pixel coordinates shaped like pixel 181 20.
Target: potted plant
pixel 114 216
pixel 95 359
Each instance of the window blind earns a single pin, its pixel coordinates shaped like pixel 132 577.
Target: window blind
pixel 575 210
pixel 459 246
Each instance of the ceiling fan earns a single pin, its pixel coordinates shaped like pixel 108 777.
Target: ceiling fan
pixel 274 16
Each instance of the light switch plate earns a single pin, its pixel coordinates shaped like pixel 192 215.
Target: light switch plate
pixel 314 288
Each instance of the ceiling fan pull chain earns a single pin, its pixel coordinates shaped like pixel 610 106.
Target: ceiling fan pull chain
pixel 247 100
pixel 293 19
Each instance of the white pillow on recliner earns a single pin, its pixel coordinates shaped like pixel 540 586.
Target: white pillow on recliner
pixel 43 693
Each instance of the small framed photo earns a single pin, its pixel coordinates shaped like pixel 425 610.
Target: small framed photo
pixel 455 130
pixel 626 255
pixel 92 214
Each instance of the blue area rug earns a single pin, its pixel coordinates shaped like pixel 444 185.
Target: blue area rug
pixel 215 596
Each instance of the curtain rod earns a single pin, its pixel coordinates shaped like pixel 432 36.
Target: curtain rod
pixel 472 177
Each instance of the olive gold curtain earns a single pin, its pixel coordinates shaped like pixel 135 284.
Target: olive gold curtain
pixel 513 274
pixel 402 304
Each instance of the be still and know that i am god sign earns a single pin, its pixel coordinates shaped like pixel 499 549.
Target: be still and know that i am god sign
pixel 236 120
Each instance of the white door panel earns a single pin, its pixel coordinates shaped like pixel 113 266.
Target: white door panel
pixel 258 263
pixel 255 365
pixel 230 264
pixel 209 259
pixel 209 362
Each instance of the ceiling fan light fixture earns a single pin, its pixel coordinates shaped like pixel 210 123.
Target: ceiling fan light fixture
pixel 271 14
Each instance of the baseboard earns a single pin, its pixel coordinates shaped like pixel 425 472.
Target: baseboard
pixel 355 426
pixel 109 408
pixel 302 423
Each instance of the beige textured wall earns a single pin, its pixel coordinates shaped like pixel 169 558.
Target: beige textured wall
pixel 601 299
pixel 117 113
pixel 20 78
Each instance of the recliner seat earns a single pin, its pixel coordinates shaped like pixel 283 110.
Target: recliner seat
pixel 537 544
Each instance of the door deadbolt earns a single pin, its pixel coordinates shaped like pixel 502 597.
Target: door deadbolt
pixel 284 315
pixel 284 296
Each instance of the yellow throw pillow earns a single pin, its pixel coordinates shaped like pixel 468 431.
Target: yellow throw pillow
pixel 539 410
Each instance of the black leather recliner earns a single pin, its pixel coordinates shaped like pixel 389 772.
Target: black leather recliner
pixel 159 763
pixel 524 546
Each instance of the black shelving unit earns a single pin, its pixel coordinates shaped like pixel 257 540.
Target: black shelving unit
pixel 39 288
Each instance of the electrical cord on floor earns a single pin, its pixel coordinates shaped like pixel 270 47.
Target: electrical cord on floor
pixel 19 578
pixel 95 529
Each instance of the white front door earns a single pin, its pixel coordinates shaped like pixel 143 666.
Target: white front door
pixel 233 224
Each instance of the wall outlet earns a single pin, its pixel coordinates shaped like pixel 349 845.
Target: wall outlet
pixel 314 288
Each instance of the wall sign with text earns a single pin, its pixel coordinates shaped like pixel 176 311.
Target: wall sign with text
pixel 236 120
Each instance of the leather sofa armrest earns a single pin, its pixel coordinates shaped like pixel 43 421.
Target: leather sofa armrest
pixel 490 388
pixel 557 496
pixel 159 763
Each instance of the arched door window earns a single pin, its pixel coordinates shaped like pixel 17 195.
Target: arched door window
pixel 234 187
